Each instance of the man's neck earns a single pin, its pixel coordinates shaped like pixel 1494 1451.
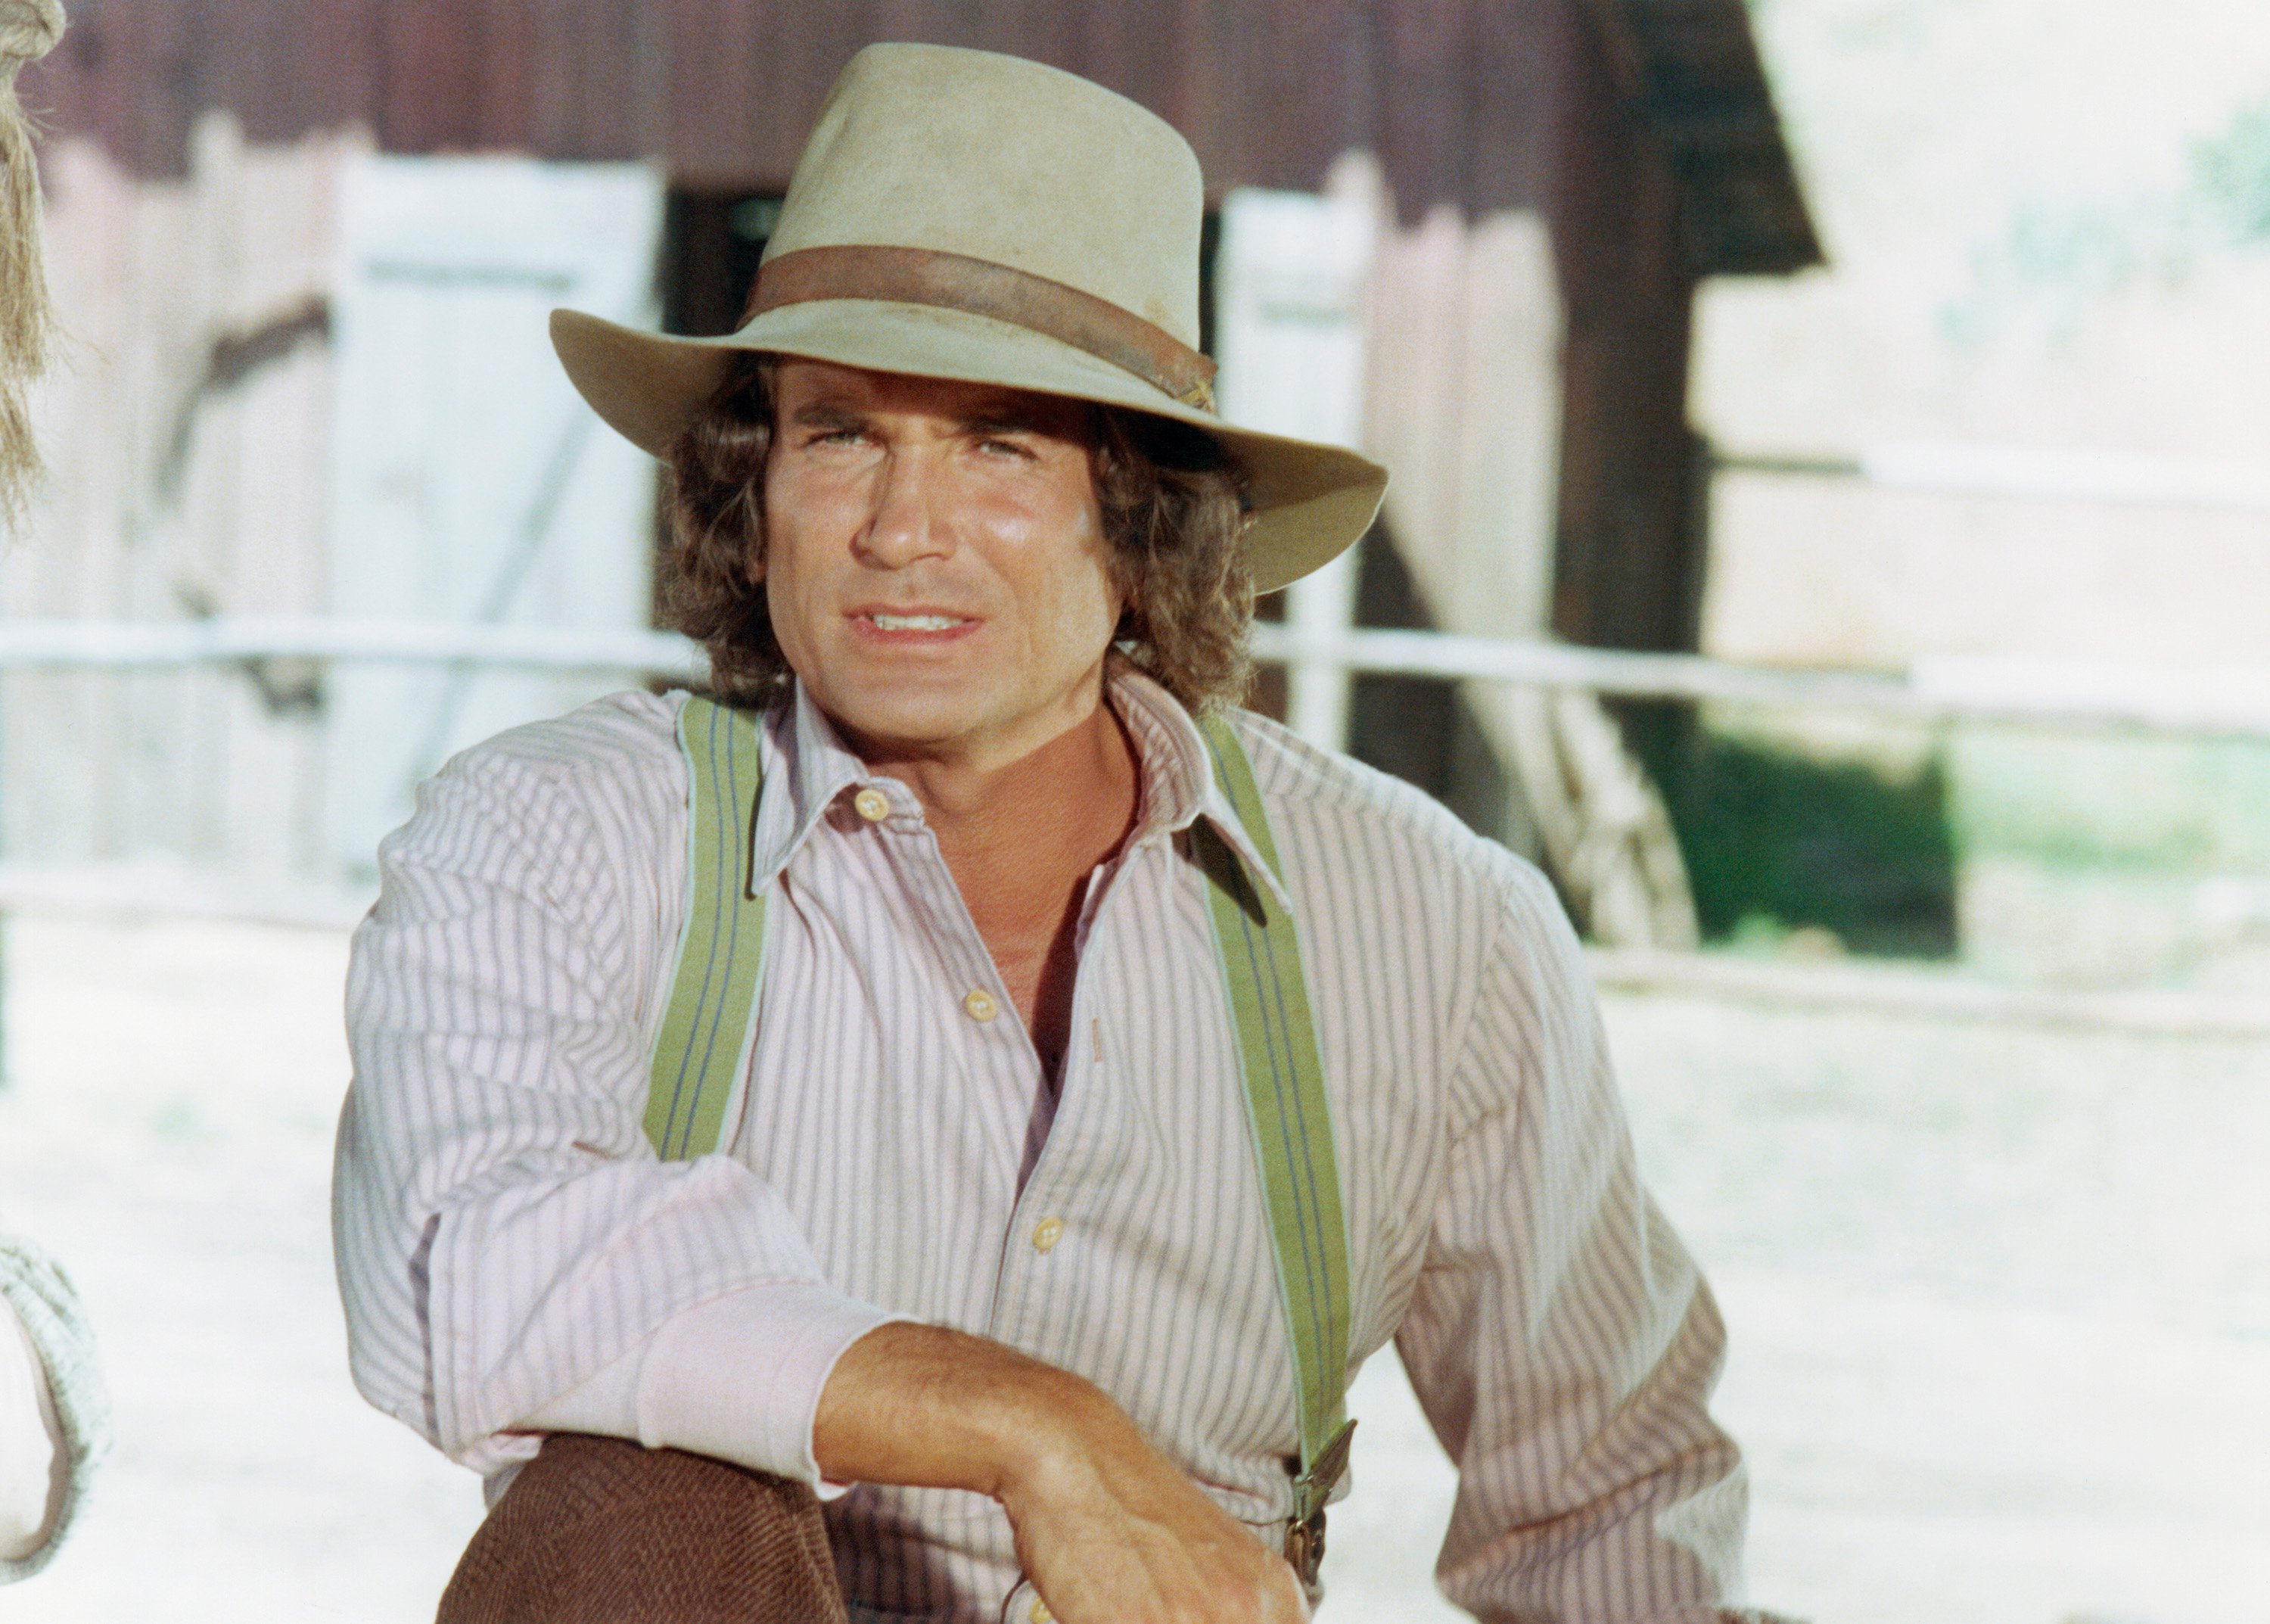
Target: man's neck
pixel 1020 839
pixel 1075 787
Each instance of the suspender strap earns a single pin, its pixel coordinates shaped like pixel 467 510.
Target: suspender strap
pixel 1291 1118
pixel 701 1053
pixel 702 1050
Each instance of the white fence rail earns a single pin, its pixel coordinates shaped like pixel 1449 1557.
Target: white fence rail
pixel 2235 704
pixel 2026 474
pixel 132 645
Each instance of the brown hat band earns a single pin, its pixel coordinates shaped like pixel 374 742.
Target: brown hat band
pixel 981 287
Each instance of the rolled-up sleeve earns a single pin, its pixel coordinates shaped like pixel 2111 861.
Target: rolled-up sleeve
pixel 1561 1341
pixel 504 1230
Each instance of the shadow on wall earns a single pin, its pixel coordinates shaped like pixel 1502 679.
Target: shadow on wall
pixel 1779 843
pixel 1420 729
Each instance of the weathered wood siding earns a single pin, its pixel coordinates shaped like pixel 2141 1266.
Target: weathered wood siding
pixel 186 433
pixel 1483 106
pixel 193 145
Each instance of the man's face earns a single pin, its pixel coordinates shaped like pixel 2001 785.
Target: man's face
pixel 935 560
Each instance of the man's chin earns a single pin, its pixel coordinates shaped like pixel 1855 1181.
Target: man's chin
pixel 902 724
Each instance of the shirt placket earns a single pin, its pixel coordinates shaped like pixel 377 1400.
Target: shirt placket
pixel 1041 1258
pixel 986 1039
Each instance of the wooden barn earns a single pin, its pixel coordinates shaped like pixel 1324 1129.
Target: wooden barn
pixel 305 247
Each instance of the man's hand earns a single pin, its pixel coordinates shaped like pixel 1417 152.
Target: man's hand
pixel 1108 1529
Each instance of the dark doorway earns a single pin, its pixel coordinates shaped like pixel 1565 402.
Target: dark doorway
pixel 711 243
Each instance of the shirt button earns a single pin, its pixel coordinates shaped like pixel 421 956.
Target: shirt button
pixel 872 804
pixel 1047 1233
pixel 979 1005
pixel 1040 1613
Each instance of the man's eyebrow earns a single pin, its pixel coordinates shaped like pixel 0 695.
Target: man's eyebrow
pixel 1009 418
pixel 826 414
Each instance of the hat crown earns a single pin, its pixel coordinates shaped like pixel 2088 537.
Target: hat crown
pixel 998 158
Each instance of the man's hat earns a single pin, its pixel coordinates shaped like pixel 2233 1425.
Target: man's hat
pixel 960 214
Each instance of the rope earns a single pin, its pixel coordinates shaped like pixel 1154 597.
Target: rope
pixel 28 31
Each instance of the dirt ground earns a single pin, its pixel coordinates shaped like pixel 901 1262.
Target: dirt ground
pixel 1999 1302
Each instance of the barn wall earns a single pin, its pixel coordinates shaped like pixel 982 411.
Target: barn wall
pixel 1271 93
pixel 1630 557
pixel 186 434
pixel 1470 110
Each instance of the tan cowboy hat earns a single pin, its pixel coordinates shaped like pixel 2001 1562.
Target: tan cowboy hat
pixel 960 214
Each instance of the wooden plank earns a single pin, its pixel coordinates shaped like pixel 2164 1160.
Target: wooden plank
pixel 432 65
pixel 188 448
pixel 1425 102
pixel 509 39
pixel 1141 49
pixel 588 75
pixel 470 484
pixel 1508 163
pixel 1034 29
pixel 1272 95
pixel 284 68
pixel 149 93
pixel 930 22
pixel 715 96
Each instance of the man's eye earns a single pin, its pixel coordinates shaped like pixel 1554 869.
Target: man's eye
pixel 998 446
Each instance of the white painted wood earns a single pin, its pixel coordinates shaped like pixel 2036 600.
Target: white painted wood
pixel 1289 280
pixel 186 432
pixel 470 482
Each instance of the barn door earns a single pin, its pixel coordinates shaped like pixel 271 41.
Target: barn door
pixel 1288 300
pixel 470 483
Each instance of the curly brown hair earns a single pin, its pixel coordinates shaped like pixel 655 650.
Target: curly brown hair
pixel 1174 513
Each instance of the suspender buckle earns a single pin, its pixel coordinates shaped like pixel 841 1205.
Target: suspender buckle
pixel 1304 1533
pixel 1304 1547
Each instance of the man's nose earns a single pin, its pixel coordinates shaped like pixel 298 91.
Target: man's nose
pixel 903 525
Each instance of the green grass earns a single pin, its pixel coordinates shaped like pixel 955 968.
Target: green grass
pixel 1778 839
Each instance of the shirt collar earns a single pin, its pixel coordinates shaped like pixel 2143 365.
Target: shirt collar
pixel 808 768
pixel 1179 786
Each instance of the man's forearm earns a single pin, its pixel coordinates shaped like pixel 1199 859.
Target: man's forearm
pixel 924 1405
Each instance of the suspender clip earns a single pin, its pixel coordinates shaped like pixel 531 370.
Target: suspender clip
pixel 1304 1533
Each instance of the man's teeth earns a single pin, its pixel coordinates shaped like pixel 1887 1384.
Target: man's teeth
pixel 916 623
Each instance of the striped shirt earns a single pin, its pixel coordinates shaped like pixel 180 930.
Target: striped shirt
pixel 506 1236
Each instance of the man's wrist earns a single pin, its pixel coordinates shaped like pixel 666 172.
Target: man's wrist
pixel 923 1404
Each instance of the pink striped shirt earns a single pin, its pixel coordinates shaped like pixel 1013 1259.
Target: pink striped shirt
pixel 512 1253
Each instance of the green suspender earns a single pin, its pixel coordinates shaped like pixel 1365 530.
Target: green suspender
pixel 711 1019
pixel 1292 1123
pixel 709 1024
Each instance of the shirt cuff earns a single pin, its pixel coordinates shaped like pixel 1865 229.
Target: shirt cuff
pixel 739 1376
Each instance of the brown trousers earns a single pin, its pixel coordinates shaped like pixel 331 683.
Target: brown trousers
pixel 600 1530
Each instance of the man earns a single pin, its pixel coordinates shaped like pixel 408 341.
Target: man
pixel 52 1412
pixel 986 1231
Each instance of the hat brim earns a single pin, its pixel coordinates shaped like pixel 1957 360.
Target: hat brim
pixel 1311 501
